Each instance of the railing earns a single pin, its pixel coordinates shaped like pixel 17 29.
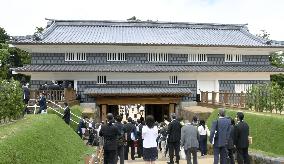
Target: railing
pixel 224 98
pixel 35 106
pixel 68 94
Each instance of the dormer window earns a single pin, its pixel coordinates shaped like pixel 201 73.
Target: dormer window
pixel 75 56
pixel 157 57
pixel 101 80
pixel 197 57
pixel 116 56
pixel 233 57
pixel 173 80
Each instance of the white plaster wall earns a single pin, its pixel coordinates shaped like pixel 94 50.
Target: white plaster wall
pixel 145 49
pixel 86 76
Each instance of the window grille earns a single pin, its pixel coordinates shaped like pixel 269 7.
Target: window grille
pixel 233 58
pixel 197 57
pixel 75 56
pixel 173 80
pixel 157 57
pixel 242 87
pixel 116 56
pixel 101 80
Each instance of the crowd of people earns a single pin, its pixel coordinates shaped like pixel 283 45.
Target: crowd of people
pixel 173 138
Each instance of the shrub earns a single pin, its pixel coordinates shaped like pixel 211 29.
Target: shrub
pixel 266 97
pixel 11 100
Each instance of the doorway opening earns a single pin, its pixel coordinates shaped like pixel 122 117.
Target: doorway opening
pixel 158 111
pixel 113 109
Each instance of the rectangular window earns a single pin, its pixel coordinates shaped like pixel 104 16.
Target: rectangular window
pixel 197 57
pixel 116 56
pixel 75 56
pixel 242 87
pixel 101 80
pixel 233 58
pixel 173 80
pixel 157 57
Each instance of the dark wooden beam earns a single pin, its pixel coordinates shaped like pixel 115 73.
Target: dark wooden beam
pixel 136 100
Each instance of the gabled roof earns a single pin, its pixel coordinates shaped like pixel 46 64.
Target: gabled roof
pixel 148 68
pixel 145 33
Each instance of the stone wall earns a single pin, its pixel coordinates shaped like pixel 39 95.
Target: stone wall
pixel 257 158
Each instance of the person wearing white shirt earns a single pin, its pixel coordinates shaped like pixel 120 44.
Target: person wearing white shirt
pixel 203 131
pixel 149 135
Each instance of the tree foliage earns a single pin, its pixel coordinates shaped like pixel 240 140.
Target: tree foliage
pixel 266 97
pixel 11 57
pixel 11 103
pixel 263 34
pixel 276 59
pixel 4 37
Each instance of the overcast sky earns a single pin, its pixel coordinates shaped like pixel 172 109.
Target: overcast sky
pixel 20 17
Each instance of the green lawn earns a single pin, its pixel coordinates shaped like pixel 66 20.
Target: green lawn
pixel 267 131
pixel 40 139
pixel 77 110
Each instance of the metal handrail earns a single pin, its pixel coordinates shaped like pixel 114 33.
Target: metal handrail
pixel 35 106
pixel 63 108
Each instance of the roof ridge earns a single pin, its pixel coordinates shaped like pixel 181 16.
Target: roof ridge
pixel 147 24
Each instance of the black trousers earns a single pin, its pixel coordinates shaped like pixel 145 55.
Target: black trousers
pixel 203 144
pixel 140 148
pixel 120 154
pixel 126 151
pixel 110 156
pixel 174 150
pixel 242 156
pixel 231 156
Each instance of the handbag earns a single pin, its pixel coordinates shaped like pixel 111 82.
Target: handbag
pixel 182 153
pixel 215 133
pixel 132 136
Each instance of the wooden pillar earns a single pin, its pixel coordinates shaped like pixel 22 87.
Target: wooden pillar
pixel 214 97
pixel 172 108
pixel 103 112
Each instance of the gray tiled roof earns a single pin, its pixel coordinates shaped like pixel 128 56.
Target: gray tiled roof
pixel 146 33
pixel 138 91
pixel 148 68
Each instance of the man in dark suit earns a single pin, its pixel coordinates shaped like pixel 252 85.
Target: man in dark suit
pixel 129 128
pixel 241 141
pixel 110 133
pixel 219 137
pixel 67 114
pixel 42 103
pixel 174 135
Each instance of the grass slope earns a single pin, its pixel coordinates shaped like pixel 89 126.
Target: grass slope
pixel 267 131
pixel 77 110
pixel 40 139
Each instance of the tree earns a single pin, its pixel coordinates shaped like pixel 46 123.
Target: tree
pixel 11 57
pixel 264 34
pixel 276 59
pixel 4 37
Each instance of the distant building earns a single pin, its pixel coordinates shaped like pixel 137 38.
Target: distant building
pixel 157 64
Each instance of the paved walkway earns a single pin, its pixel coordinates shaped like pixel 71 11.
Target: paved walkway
pixel 162 160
